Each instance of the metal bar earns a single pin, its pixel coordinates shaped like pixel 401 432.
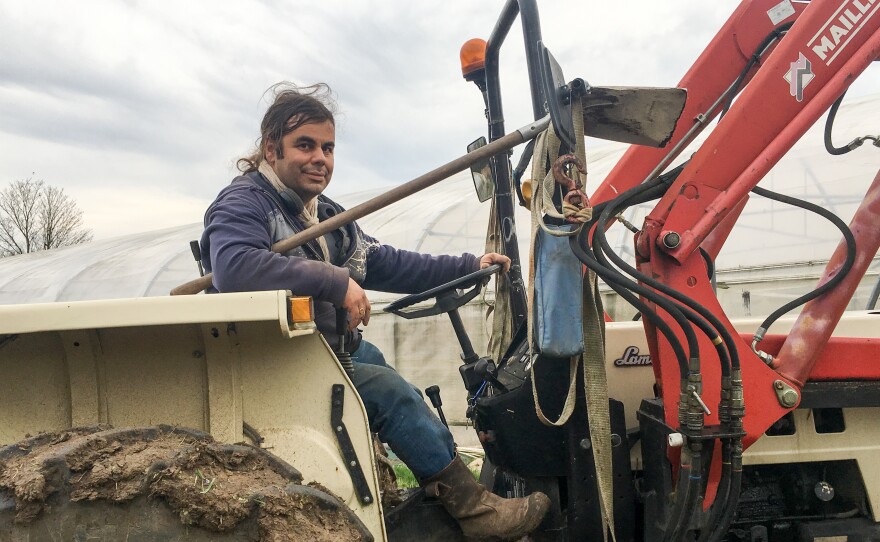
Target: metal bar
pixel 504 207
pixel 392 196
pixel 875 293
pixel 349 454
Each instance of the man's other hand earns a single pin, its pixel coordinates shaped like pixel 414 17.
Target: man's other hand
pixel 357 305
pixel 493 258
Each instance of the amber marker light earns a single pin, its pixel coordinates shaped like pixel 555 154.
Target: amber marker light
pixel 302 310
pixel 473 57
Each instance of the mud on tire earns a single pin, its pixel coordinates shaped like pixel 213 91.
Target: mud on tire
pixel 160 483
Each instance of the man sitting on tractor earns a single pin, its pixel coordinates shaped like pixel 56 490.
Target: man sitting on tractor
pixel 280 194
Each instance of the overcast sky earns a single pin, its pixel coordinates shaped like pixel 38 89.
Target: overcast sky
pixel 139 109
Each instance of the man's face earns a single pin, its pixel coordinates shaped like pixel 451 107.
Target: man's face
pixel 306 162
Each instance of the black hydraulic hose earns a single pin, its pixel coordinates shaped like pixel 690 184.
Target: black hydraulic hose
pixel 835 280
pixel 711 326
pixel 686 504
pixel 829 122
pixel 642 193
pixel 681 515
pixel 689 484
pixel 682 494
pixel 721 497
pixel 852 145
pixel 723 524
pixel 616 206
pixel 589 260
pixel 621 284
pixel 710 264
pixel 775 34
pixel 610 277
pixel 661 301
pixel 621 279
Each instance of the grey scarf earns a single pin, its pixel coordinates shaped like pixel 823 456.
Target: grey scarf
pixel 309 216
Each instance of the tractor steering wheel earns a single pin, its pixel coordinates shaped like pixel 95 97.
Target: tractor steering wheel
pixel 450 296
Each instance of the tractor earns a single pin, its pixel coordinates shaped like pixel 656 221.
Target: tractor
pixel 228 416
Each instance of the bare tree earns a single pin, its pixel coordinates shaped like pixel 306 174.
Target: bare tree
pixel 36 216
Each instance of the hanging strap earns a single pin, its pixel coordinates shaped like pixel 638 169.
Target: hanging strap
pixel 593 357
pixel 545 153
pixel 546 150
pixel 500 312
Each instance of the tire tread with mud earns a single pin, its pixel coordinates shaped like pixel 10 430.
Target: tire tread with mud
pixel 160 483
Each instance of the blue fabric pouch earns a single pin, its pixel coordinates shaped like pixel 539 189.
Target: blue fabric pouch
pixel 558 290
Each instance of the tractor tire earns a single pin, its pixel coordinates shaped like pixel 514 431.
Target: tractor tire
pixel 160 483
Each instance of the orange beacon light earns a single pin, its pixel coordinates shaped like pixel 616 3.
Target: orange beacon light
pixel 473 57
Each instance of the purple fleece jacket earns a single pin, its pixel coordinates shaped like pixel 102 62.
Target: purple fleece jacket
pixel 243 223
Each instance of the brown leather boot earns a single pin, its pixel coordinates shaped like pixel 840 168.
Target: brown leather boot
pixel 480 513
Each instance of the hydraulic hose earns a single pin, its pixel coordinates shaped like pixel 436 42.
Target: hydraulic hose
pixel 727 352
pixel 612 274
pixel 664 303
pixel 686 504
pixel 721 496
pixel 520 169
pixel 829 122
pixel 614 278
pixel 834 281
pixel 689 483
pixel 852 145
pixel 588 260
pixel 727 497
pixel 723 525
pixel 684 508
pixel 682 494
pixel 775 34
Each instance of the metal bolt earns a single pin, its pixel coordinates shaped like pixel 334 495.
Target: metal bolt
pixel 824 491
pixel 671 239
pixel 785 394
pixel 367 498
pixel 789 398
pixel 615 440
pixel 353 463
pixel 586 444
pixel 338 428
pixel 675 440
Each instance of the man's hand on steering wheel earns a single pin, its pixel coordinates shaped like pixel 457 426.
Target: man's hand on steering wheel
pixel 491 258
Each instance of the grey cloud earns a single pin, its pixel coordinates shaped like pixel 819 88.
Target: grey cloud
pixel 185 87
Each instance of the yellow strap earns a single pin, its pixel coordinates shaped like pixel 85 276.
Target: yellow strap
pixel 595 379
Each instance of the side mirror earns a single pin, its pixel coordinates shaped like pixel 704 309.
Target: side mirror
pixel 481 172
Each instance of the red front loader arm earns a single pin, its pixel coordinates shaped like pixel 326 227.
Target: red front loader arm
pixel 809 69
pixel 828 45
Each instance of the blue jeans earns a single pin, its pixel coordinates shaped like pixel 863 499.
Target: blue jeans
pixel 398 413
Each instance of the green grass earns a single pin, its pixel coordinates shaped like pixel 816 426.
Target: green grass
pixel 406 479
